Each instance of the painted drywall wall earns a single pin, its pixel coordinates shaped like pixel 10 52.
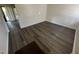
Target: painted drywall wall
pixel 29 14
pixel 3 35
pixel 3 38
pixel 76 42
pixel 65 15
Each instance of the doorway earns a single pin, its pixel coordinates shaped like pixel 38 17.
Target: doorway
pixel 8 13
pixel 10 17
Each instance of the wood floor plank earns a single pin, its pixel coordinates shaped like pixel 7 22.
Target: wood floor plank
pixel 51 38
pixel 35 38
pixel 58 35
pixel 61 34
pixel 53 42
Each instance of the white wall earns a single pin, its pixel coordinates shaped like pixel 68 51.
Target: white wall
pixel 76 42
pixel 3 35
pixel 3 38
pixel 29 14
pixel 65 15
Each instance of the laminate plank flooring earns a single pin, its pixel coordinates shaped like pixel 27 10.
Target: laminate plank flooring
pixel 57 39
pixel 51 38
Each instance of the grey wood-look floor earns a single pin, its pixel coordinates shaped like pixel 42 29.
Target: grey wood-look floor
pixel 51 38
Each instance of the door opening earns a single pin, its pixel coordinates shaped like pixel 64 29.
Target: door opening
pixel 8 13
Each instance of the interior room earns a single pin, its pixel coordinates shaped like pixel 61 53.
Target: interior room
pixel 39 28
